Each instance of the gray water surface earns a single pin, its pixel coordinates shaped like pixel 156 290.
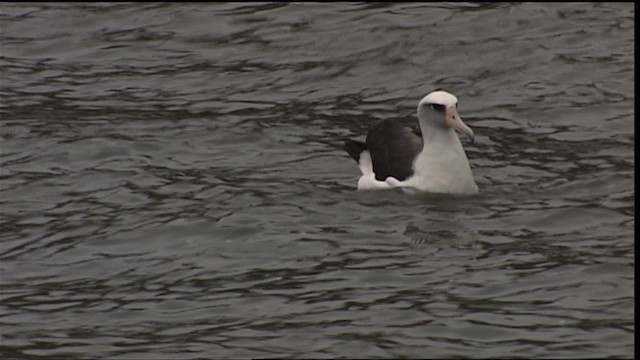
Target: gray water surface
pixel 173 183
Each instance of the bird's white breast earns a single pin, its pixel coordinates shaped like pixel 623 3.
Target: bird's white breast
pixel 443 167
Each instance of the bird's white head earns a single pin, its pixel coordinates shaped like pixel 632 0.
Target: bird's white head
pixel 439 97
pixel 440 109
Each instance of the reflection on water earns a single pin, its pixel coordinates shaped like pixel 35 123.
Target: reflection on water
pixel 172 181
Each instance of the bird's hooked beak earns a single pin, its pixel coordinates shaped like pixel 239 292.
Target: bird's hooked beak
pixel 453 120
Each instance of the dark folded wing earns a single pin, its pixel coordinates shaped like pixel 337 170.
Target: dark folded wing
pixel 393 149
pixel 354 148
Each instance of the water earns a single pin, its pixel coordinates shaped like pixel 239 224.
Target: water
pixel 173 183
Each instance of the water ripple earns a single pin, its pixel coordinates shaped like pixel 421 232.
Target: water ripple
pixel 173 181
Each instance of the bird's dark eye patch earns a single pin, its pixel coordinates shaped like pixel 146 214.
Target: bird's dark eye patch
pixel 438 107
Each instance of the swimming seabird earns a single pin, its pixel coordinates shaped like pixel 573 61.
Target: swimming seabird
pixel 434 161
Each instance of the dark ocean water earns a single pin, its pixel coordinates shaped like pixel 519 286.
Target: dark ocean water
pixel 173 183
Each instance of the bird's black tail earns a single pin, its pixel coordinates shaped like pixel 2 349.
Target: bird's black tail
pixel 354 148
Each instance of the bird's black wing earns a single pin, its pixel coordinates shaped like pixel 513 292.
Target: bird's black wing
pixel 354 148
pixel 393 149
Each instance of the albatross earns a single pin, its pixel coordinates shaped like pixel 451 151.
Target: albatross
pixel 431 161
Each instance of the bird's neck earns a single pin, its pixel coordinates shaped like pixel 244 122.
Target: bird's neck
pixel 440 137
pixel 443 164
